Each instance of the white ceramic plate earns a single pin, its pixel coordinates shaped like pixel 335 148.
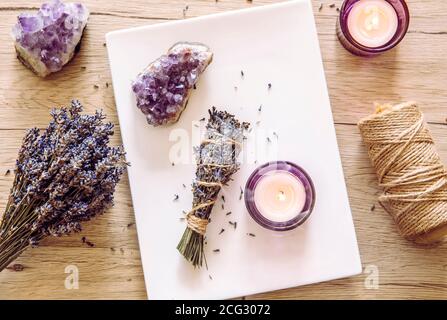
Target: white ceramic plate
pixel 274 44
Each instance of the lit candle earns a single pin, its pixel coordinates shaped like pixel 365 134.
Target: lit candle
pixel 279 195
pixel 372 23
pixel 369 27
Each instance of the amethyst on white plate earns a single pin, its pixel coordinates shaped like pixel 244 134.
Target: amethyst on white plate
pixel 47 40
pixel 162 90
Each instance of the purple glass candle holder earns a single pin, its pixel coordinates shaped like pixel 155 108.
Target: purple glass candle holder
pixel 296 171
pixel 350 44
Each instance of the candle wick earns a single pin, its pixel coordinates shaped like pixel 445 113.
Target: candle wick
pixel 281 195
pixel 372 21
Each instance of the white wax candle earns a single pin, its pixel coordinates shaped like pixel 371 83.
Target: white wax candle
pixel 279 196
pixel 372 23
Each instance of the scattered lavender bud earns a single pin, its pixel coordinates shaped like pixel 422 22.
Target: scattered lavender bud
pixel 251 234
pixel 222 231
pixel 176 197
pixel 184 11
pixel 216 250
pixel 269 86
pixel 7 172
pixel 17 267
pixel 90 244
pixel 228 213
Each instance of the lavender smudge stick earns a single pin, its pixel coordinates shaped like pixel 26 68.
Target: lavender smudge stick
pixel 64 175
pixel 216 162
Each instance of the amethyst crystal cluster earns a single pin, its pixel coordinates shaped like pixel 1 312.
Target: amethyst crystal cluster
pixel 163 88
pixel 47 40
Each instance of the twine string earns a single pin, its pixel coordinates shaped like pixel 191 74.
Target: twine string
pixel 408 168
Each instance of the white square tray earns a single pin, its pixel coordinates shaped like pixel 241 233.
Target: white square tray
pixel 274 44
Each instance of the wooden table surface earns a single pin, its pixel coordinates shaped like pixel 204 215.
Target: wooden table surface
pixel 416 70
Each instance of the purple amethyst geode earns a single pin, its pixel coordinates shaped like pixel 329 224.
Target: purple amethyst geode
pixel 162 90
pixel 47 40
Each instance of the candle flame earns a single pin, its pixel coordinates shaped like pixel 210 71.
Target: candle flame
pixel 281 196
pixel 373 19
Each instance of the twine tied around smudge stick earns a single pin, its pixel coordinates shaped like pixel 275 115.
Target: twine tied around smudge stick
pixel 195 223
pixel 409 170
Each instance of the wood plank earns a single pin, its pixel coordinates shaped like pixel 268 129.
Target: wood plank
pixel 405 270
pixel 354 83
pixel 416 70
pixel 103 274
pixel 173 9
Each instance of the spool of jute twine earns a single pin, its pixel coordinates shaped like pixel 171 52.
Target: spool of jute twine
pixel 410 171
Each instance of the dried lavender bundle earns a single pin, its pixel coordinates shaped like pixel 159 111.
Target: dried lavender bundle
pixel 216 163
pixel 63 176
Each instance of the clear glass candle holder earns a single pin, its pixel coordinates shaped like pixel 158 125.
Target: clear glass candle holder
pixel 350 44
pixel 294 170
